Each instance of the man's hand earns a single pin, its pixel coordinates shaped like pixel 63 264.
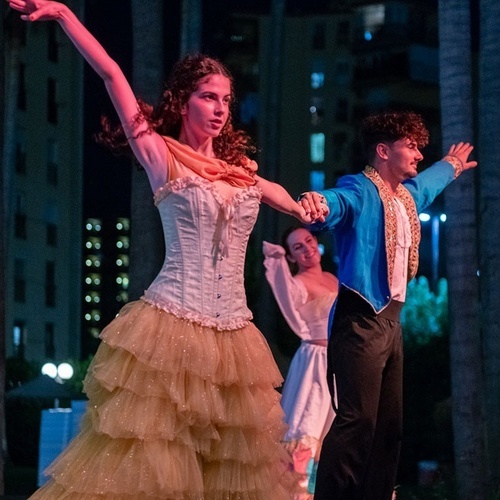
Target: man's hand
pixel 462 150
pixel 314 205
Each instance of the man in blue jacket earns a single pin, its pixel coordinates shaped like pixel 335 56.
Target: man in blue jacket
pixel 374 215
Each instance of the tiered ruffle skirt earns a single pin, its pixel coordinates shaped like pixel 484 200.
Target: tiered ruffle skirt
pixel 176 411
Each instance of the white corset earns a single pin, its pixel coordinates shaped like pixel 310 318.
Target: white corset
pixel 205 240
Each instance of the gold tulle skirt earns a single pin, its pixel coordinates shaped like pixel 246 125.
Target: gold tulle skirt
pixel 176 411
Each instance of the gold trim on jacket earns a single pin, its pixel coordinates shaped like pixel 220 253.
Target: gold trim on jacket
pixel 391 222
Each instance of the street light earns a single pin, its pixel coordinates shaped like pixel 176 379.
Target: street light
pixel 60 373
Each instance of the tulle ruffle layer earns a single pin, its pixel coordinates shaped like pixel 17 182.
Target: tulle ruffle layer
pixel 176 411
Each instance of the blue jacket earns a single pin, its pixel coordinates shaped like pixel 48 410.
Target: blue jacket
pixel 357 220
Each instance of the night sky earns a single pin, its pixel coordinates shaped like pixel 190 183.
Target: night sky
pixel 106 177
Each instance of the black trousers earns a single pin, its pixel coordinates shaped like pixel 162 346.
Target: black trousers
pixel 360 453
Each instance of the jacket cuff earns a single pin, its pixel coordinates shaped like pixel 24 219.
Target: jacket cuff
pixel 456 163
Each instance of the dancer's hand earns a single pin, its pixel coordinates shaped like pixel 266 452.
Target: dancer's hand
pixel 462 150
pixel 314 205
pixel 37 10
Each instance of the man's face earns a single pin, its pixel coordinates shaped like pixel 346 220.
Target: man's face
pixel 403 157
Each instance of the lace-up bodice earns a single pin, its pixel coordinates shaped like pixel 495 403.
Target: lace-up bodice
pixel 205 239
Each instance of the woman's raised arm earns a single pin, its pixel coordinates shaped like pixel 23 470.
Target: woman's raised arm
pixel 149 148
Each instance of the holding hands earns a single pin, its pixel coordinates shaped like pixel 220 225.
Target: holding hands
pixel 314 205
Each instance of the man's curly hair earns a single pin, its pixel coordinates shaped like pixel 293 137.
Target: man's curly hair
pixel 391 126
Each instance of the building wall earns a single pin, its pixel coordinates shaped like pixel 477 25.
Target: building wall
pixel 105 278
pixel 44 237
pixel 335 69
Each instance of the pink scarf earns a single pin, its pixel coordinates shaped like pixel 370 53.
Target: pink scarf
pixel 212 169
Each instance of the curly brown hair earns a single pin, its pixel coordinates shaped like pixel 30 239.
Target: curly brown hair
pixel 232 146
pixel 391 126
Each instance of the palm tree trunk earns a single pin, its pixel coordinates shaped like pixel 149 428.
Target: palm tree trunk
pixel 489 174
pixel 3 246
pixel 461 250
pixel 147 248
pixel 267 226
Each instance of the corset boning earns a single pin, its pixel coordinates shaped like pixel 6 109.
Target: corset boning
pixel 205 240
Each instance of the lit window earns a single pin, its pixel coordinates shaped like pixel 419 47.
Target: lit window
pixel 19 338
pixel 122 260
pixel 123 224
pixel 317 147
pixel 92 261
pixel 93 224
pixel 317 80
pixel 317 180
pixel 17 335
pixel 373 18
pixel 93 297
pixel 122 242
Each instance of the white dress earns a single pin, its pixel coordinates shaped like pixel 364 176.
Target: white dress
pixel 181 392
pixel 306 398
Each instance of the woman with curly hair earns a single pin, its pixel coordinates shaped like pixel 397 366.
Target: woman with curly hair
pixel 182 401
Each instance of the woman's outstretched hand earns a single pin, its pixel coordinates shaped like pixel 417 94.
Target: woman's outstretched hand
pixel 314 206
pixel 37 10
